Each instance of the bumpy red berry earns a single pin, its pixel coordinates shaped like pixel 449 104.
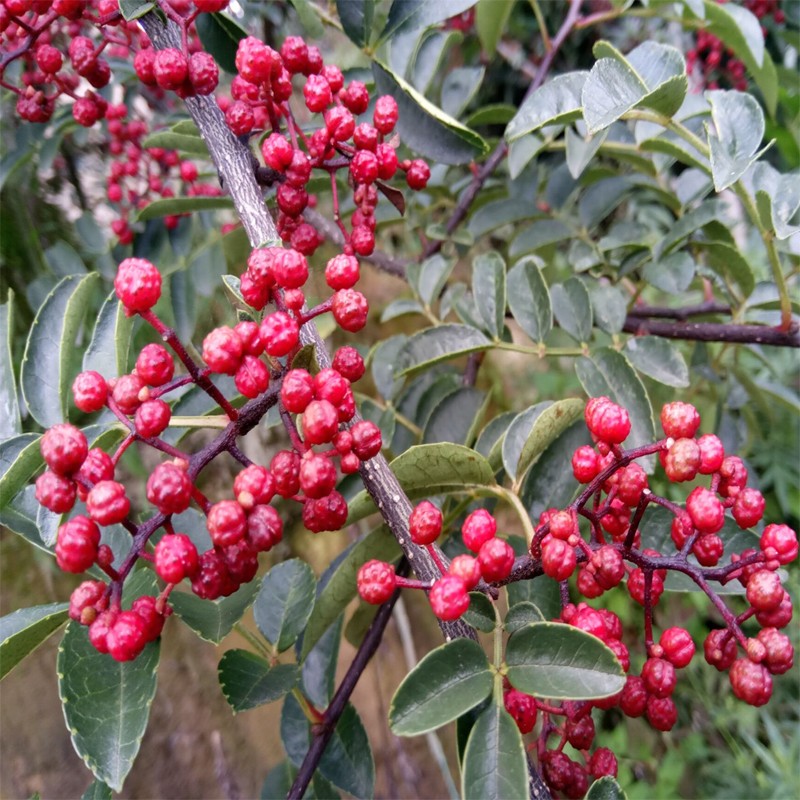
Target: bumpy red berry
pixel 367 439
pixel 467 568
pixel 154 365
pixel 779 542
pixel 751 682
pixel 55 492
pixel 682 460
pixel 152 418
pixel 496 558
pixel 90 390
pixel 425 523
pixel 376 582
pixel 680 420
pixel 76 544
pixel 317 475
pixel 705 510
pixel 607 421
pixel 320 422
pixel 223 350
pixel 226 522
pixel 176 558
pixel 385 114
pixel 712 453
pixel 84 600
pixel 108 503
pixel 327 513
pixel 478 528
pixel 264 528
pixel 448 597
pixel 64 448
pixel 285 468
pixel 280 333
pixel 350 309
pixel 585 464
pixel 138 284
pixel 662 713
pixel 127 636
pixel 764 590
pixel 347 361
pixel 169 488
pixel 558 559
pixel 719 649
pixel 522 708
pixel 678 646
pixel 748 508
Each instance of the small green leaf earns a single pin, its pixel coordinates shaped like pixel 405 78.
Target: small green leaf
pixel 45 375
pixel 495 765
pixel 609 373
pixel 424 127
pixel 727 261
pixel 188 143
pixel 606 788
pixel 433 275
pixel 540 234
pixel 356 17
pixel 529 298
pixel 659 359
pixel 408 15
pixel 309 18
pixel 213 620
pixel 547 427
pixel 739 125
pixel 133 9
pixel 182 205
pixel 434 345
pixel 22 631
pixel 522 614
pixel 97 790
pixel 459 87
pixel 609 307
pixel 573 308
pixel 493 114
pixel 454 417
pixel 480 613
pixel 690 222
pixel 111 340
pixel 778 198
pixel 428 469
pixel 285 602
pixel 106 703
pixel 549 484
pixel 340 588
pixel 549 659
pixel 20 458
pixel 517 434
pixel 556 102
pixel 450 680
pixel 490 440
pixel 399 308
pixel 489 290
pixel 220 36
pixel 318 679
pixel 10 423
pixel 491 18
pixel 248 681
pixel 673 273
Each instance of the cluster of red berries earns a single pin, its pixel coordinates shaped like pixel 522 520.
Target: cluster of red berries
pixel 62 44
pixel 260 97
pixel 448 595
pixel 240 528
pixel 137 174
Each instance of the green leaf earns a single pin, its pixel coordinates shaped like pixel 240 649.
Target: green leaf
pixel 550 483
pixel 248 681
pixel 490 440
pixel 659 359
pixel 20 459
pixel 495 765
pixel 10 423
pixel 459 87
pixel 740 30
pixel 213 620
pixel 309 18
pixel 605 788
pixel 689 223
pixel 522 614
pixel 111 340
pixel 189 143
pixel 529 298
pixel 580 150
pixel 547 427
pixel 480 613
pixel 652 76
pixel 106 703
pixel 285 602
pixel 347 760
pixel 556 102
pixel 318 679
pixel 491 18
pixel 739 125
pixel 540 234
pixel 356 17
pixel 428 469
pixel 424 127
pixel 673 273
pixel 517 434
pixel 492 114
pixel 454 417
pixel 182 205
pixel 549 659
pixel 778 199
pixel 434 345
pixel 727 261
pixel 22 631
pixel 133 9
pixel 429 60
pixel 408 15
pixel 97 790
pixel 399 308
pixel 609 307
pixel 220 36
pixel 433 275
pixel 341 586
pixel 573 308
pixel 45 375
pixel 449 681
pixel 522 151
pixel 609 373
pixel 489 290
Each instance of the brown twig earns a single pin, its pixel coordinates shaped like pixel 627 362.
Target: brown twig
pixel 713 332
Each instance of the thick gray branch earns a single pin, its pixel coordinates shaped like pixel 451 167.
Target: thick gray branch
pixel 233 162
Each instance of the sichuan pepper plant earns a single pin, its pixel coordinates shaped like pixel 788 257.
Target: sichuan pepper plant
pixel 625 231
